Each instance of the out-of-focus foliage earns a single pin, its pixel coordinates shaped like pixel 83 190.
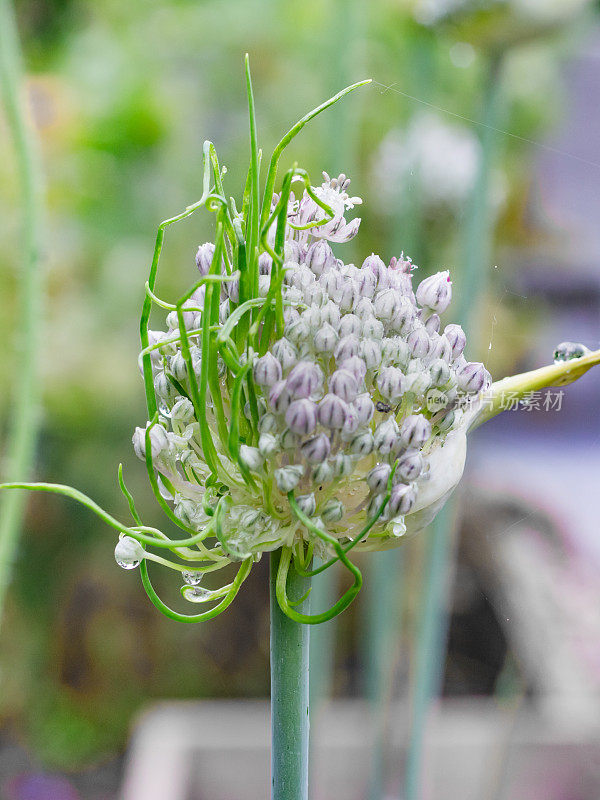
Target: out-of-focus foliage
pixel 123 95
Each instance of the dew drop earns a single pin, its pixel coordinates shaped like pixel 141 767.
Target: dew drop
pixel 193 577
pixel 129 552
pixel 567 351
pixel 196 594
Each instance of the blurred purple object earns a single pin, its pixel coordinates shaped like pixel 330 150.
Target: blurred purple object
pixel 40 786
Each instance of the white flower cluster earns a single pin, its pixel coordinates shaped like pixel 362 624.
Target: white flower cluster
pixel 360 394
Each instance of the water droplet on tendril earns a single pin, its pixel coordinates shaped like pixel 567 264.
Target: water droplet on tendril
pixel 196 594
pixel 129 552
pixel 192 578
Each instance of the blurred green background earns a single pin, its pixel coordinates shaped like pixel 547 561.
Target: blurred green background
pixel 123 95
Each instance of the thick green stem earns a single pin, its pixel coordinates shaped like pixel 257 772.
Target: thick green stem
pixel 26 388
pixel 289 691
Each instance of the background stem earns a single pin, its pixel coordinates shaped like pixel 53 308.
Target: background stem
pixel 289 691
pixel 25 416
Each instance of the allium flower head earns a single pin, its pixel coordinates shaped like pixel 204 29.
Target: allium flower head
pixel 295 401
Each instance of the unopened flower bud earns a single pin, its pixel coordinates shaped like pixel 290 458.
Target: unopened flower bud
pixel 233 290
pixel 331 313
pixel 372 328
pixel 457 338
pixel 333 511
pixel 439 372
pixel 325 339
pixel 415 431
pixel 317 449
pixel 280 397
pixel 435 292
pixel 319 257
pixel 301 416
pixel 409 466
pixel 285 352
pixel 446 422
pixel 265 264
pixel 366 283
pixel 375 265
pixel 404 316
pixel 356 366
pixel 204 257
pixel 178 367
pixel 374 505
pixel 159 441
pixel 315 295
pixel 378 477
pixel 304 379
pixel 364 309
pixel 418 342
pixel 268 444
pixel 386 304
pixel 362 444
pixel 290 315
pixel 418 382
pixel 440 348
pixel 402 499
pixel 267 370
pixel 332 284
pixel 287 478
pixel 307 504
pixel 473 377
pixel 251 457
pixel 391 382
pixel 298 331
pixel 342 465
pixel 182 411
pixel 386 436
pixel 350 325
pixel 347 347
pixel 364 408
pixel 129 552
pixel 289 439
pixel 164 389
pixel 344 384
pixel 348 296
pixel 268 423
pixel 322 473
pixel 332 411
pixel 432 324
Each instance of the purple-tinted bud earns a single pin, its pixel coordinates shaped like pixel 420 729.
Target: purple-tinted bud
pixel 378 477
pixel 304 379
pixel 415 431
pixel 351 424
pixel 410 466
pixel 332 412
pixel 435 292
pixel 300 277
pixel 432 324
pixel 290 315
pixel 285 352
pixel 402 500
pixel 344 385
pixel 301 416
pixel 312 317
pixel 317 449
pixel 457 338
pixel 280 398
pixel 473 377
pixel 395 351
pixel 325 339
pixel 204 257
pixel 294 251
pixel 391 382
pixel 348 296
pixel 350 325
pixel 315 295
pixel 364 309
pixel 418 342
pixel 342 465
pixel 439 372
pixel 440 348
pixel 366 283
pixel 265 264
pixel 404 316
pixel 378 268
pixel 375 505
pixel 362 444
pixel 223 312
pixel 386 304
pixel 347 347
pixel 267 370
pixel 370 350
pixel 332 283
pixel 319 257
pixel 356 366
pixel 268 423
pixel 372 328
pixel 386 436
pixel 330 313
pixel 364 407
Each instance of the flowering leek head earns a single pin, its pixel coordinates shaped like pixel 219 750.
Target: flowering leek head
pixel 297 402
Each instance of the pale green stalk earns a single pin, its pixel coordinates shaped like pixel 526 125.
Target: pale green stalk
pixel 289 690
pixel 25 415
pixel 432 621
